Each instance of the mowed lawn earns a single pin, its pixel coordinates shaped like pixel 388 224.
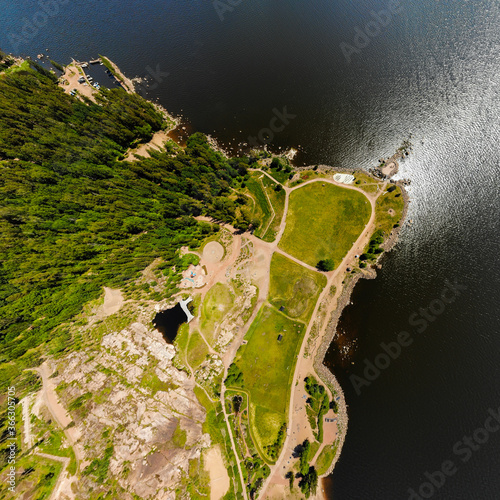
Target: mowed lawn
pixel 323 222
pixel 294 287
pixel 268 365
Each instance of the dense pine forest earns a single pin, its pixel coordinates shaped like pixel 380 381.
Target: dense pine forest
pixel 75 217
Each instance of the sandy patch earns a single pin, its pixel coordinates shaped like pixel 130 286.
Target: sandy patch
pixel 278 491
pixel 62 490
pixel 389 169
pixel 213 252
pixel 113 301
pixel 71 74
pixel 157 143
pixel 219 478
pixel 330 430
pixel 57 410
pixel 25 403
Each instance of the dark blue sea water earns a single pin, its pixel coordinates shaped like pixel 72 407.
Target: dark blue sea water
pixel 431 69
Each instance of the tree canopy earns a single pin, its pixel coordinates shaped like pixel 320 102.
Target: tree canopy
pixel 74 216
pixel 326 265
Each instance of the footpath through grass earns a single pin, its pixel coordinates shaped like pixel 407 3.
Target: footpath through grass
pixel 258 186
pixel 261 211
pixel 267 365
pixel 294 287
pixel 277 197
pixel 218 302
pixel 366 182
pixel 323 222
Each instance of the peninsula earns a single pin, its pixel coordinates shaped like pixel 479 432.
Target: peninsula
pixel 108 221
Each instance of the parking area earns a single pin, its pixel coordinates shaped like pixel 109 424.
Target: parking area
pixel 74 82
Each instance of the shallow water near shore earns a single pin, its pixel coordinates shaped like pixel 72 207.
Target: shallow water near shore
pixel 433 72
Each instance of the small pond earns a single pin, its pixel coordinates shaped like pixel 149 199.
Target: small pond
pixel 167 322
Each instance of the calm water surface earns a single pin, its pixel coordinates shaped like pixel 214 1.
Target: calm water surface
pixel 168 321
pixel 432 71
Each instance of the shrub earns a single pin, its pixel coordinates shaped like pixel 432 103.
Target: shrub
pixel 326 265
pixel 56 65
pixel 234 376
pixel 309 482
pixel 304 457
pixel 276 164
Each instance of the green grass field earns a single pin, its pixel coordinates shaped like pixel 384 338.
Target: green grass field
pixel 323 222
pixel 294 287
pixel 280 175
pixel 268 365
pixel 325 458
pixel 52 441
pixel 218 302
pixel 264 425
pixel 38 483
pixel 196 350
pixel 278 202
pixel 24 66
pixel 366 182
pixel 261 209
pixel 385 202
pixel 313 450
pixel 258 186
pixel 151 381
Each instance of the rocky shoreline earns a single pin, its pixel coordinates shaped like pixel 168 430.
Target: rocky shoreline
pixel 326 375
pixel 389 243
pixel 331 330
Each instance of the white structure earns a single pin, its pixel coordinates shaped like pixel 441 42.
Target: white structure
pixel 343 178
pixel 184 304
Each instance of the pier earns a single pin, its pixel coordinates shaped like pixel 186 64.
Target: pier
pixel 184 304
